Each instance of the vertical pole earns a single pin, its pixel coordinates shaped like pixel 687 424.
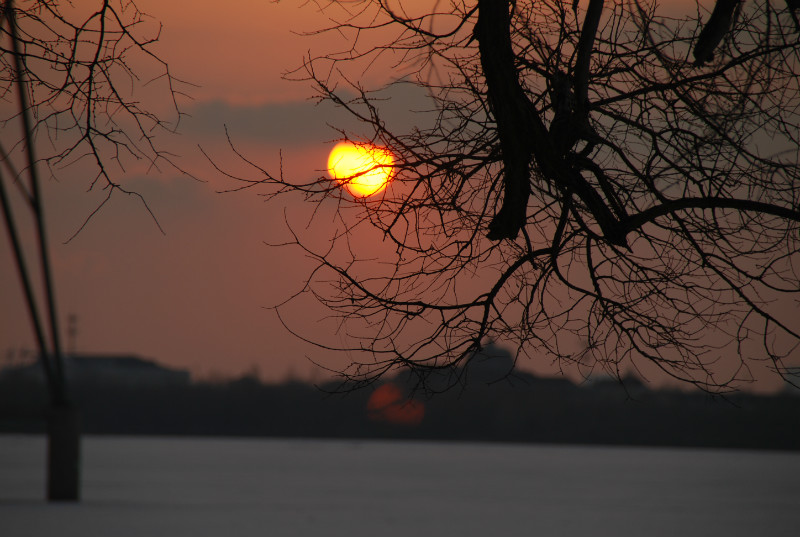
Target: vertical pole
pixel 63 453
pixel 30 300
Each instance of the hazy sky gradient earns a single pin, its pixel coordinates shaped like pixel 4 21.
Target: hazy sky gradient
pixel 197 297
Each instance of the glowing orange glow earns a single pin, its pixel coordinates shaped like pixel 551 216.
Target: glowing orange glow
pixel 388 404
pixel 363 169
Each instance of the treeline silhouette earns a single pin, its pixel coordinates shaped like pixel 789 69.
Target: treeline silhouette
pixel 483 404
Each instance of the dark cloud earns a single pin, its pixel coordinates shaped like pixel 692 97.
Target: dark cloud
pixel 401 106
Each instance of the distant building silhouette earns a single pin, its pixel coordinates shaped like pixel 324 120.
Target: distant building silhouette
pixel 490 364
pixel 791 386
pixel 628 383
pixel 126 370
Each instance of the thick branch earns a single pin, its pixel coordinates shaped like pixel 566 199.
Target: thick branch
pixel 648 215
pixel 714 30
pixel 585 47
pixel 517 122
pixel 522 133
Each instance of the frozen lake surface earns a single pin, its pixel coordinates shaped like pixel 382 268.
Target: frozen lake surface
pixel 152 487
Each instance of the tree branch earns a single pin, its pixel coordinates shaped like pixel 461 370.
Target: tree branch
pixel 585 47
pixel 522 133
pixel 649 215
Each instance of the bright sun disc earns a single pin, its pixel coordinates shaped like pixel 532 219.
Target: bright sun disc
pixel 363 169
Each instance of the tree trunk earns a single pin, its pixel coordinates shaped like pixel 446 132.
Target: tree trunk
pixel 63 454
pixel 522 132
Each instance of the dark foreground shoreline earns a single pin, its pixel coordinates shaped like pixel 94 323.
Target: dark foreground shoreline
pixel 522 408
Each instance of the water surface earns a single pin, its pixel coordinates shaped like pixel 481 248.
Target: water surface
pixel 241 487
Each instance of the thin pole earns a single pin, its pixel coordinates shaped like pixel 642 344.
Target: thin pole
pixel 30 300
pixel 63 427
pixel 58 370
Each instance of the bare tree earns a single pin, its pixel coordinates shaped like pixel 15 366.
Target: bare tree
pixel 607 172
pixel 68 77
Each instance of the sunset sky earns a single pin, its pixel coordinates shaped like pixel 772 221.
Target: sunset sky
pixel 198 297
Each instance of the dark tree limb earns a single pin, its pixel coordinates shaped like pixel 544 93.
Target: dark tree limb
pixel 714 30
pixel 792 6
pixel 517 121
pixel 523 135
pixel 648 215
pixel 585 47
pixel 570 95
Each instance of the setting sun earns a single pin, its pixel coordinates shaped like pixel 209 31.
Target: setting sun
pixel 389 404
pixel 363 169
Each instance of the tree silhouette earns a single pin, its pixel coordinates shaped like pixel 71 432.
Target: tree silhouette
pixel 67 80
pixel 609 172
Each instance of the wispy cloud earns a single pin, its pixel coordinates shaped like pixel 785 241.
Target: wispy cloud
pixel 302 122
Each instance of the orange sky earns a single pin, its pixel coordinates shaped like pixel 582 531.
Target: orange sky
pixel 237 53
pixel 196 296
pixel 241 53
